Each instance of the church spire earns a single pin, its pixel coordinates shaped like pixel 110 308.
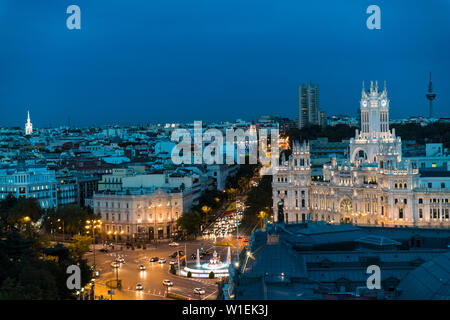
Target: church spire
pixel 28 125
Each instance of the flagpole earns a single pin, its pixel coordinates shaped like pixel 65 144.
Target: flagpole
pixel 237 230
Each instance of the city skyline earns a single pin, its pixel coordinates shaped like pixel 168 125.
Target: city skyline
pixel 193 61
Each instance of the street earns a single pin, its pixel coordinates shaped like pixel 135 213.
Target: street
pixel 152 278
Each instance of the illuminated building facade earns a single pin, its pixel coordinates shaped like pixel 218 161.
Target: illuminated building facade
pixel 140 214
pixel 373 186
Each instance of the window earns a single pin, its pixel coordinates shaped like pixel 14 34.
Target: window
pixel 400 213
pixel 420 213
pixel 443 185
pixel 420 200
pixel 430 185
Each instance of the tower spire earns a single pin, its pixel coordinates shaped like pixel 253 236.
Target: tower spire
pixel 430 96
pixel 28 125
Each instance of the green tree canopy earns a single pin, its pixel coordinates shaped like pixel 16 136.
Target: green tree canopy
pixel 190 222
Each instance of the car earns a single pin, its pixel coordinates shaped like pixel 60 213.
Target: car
pixel 141 267
pixel 115 264
pixel 154 259
pixel 139 286
pixel 120 259
pixel 167 283
pixel 173 244
pixel 199 291
pixel 172 262
pixel 162 260
pixel 97 273
pixel 103 250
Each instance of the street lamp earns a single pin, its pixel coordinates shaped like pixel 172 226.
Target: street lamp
pixel 93 224
pixel 59 220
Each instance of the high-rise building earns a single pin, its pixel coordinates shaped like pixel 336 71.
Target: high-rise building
pixel 28 126
pixel 308 106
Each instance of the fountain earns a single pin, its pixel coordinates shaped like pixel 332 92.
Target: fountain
pixel 199 270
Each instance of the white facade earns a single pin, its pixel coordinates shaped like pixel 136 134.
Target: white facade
pixel 140 214
pixel 375 186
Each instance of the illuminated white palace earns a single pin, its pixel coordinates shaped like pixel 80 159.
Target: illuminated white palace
pixel 374 186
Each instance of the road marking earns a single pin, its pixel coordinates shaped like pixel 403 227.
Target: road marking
pixel 209 295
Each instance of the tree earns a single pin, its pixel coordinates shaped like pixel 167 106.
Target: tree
pixel 25 210
pixel 80 245
pixel 172 269
pixel 5 206
pixel 190 222
pixel 73 217
pixel 259 199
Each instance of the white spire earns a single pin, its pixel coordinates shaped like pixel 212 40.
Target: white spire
pixel 28 125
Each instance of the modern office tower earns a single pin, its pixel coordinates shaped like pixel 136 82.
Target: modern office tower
pixel 308 106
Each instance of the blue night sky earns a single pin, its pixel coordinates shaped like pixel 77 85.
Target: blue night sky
pixel 149 61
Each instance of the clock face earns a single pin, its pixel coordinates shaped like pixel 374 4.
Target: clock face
pixel 364 103
pixel 383 102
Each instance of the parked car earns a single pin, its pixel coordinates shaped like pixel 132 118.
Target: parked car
pixel 172 262
pixel 154 259
pixel 139 286
pixel 199 291
pixel 167 283
pixel 173 244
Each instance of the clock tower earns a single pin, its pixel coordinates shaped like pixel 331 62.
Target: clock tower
pixel 375 139
pixel 374 112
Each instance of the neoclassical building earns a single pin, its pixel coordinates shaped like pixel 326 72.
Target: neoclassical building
pixel 140 214
pixel 374 186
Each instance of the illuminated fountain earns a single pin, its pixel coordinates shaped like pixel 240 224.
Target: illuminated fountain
pixel 202 270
